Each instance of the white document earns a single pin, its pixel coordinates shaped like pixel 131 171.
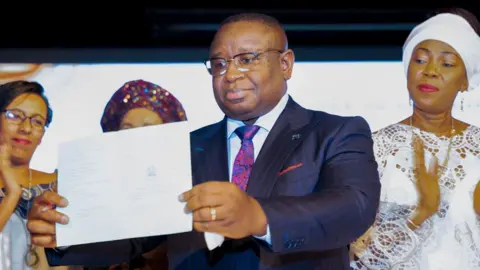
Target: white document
pixel 125 184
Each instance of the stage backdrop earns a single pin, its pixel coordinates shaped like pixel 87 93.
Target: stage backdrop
pixel 78 93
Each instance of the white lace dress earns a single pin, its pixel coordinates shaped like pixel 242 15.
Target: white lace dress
pixel 450 239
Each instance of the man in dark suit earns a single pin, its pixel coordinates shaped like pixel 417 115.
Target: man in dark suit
pixel 312 189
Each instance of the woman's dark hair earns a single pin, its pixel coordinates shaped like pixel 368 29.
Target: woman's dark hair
pixel 467 15
pixel 11 90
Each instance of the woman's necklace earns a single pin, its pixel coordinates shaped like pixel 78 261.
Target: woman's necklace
pixel 31 256
pixel 452 133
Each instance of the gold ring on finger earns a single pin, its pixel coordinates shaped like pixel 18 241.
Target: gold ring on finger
pixel 213 213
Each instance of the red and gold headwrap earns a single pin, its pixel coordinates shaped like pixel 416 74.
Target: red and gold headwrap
pixel 141 94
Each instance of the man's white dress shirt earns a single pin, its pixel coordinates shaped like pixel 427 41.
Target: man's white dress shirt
pixel 234 144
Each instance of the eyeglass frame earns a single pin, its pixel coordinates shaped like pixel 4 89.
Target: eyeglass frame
pixel 233 59
pixel 25 117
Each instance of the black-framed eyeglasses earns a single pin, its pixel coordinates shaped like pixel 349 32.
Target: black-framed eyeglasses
pixel 244 62
pixel 17 117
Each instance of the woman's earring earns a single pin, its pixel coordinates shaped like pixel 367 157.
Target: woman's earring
pixel 461 104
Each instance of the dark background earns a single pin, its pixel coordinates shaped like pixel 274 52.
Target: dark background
pixel 134 33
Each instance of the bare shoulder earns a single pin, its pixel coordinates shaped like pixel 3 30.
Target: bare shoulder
pixel 405 121
pixel 462 126
pixel 42 178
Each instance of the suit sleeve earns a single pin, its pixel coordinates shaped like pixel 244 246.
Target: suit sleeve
pixel 345 201
pixel 103 254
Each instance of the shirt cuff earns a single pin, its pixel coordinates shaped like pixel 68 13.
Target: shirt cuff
pixel 267 237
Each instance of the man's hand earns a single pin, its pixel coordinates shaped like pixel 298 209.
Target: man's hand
pixel 42 218
pixel 236 215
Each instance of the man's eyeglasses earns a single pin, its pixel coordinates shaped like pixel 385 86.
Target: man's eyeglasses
pixel 244 62
pixel 17 117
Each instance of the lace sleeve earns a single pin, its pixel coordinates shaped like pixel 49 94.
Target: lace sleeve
pixel 381 149
pixel 389 243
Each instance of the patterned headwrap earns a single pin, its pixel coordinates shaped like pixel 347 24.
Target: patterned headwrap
pixel 141 94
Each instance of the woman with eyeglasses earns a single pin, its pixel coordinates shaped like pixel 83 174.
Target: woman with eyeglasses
pixel 25 114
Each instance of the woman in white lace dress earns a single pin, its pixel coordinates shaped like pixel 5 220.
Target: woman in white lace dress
pixel 25 114
pixel 429 163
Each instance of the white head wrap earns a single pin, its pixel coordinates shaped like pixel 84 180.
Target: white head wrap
pixel 456 32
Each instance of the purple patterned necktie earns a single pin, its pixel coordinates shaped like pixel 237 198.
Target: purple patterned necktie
pixel 245 158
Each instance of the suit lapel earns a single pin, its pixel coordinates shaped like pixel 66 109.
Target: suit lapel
pixel 211 151
pixel 288 132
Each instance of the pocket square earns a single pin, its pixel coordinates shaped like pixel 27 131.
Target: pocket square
pixel 290 168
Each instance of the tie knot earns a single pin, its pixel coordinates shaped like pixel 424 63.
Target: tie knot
pixel 247 132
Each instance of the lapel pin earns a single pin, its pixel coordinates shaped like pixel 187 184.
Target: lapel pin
pixel 295 137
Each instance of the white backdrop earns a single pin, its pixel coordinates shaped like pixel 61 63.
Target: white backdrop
pixel 78 93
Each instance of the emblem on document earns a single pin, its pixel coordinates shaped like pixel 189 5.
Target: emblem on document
pixel 151 171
